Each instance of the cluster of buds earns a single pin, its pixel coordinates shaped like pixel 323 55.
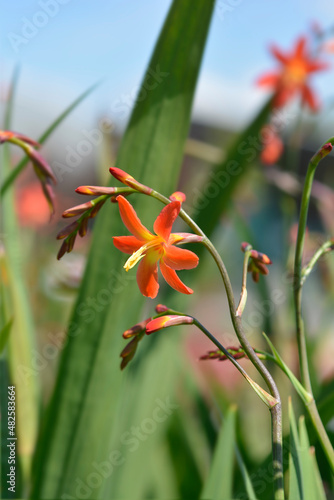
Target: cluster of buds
pixel 90 209
pixel 258 262
pixel 148 326
pixel 236 353
pixel 41 167
pixel 69 233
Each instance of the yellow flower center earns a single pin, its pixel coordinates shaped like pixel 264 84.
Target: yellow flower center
pixel 296 72
pixel 156 244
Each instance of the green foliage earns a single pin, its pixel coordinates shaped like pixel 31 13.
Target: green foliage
pixel 220 480
pixel 80 426
pixel 304 477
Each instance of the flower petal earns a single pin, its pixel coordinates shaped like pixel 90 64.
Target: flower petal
pixel 127 244
pixel 300 48
pixel 284 94
pixel 165 220
pixel 268 80
pixel 179 258
pixel 278 54
pixel 131 220
pixel 173 280
pixel 309 98
pixel 147 276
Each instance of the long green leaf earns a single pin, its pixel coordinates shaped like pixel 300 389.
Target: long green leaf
pixel 220 481
pixel 21 342
pixel 296 486
pixel 304 476
pixel 305 396
pixel 54 125
pixel 79 430
pixel 4 334
pixel 311 474
pixel 217 192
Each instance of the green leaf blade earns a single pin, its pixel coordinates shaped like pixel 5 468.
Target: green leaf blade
pixel 220 481
pixel 81 422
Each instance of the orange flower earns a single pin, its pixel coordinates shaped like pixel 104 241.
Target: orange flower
pixel 149 249
pixel 292 77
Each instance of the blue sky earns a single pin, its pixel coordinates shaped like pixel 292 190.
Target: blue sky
pixel 74 43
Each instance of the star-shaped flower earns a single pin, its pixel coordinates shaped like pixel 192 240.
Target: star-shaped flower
pixel 152 249
pixel 292 77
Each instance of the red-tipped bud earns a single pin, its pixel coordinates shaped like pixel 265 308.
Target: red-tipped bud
pixel 83 227
pixel 7 135
pixel 128 180
pixel 260 257
pixel 96 208
pixel 136 329
pixel 130 350
pixel 245 247
pixel 255 276
pixel 66 231
pixel 167 321
pixel 160 308
pixel 41 165
pixel 77 210
pixel 95 190
pixel 62 250
pixel 70 242
pixel 327 148
pixel 178 196
pixel 262 268
pixel 236 353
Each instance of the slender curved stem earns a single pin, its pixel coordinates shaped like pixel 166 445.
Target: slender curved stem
pixel 325 248
pixel 276 411
pixel 299 279
pixel 243 295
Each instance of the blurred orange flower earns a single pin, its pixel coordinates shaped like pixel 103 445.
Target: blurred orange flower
pixel 31 206
pixel 272 149
pixel 292 77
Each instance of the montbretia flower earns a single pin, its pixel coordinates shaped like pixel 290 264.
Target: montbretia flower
pixel 149 249
pixel 292 78
pixel 272 149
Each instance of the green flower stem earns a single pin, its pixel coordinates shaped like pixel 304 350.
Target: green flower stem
pixel 276 410
pixel 266 398
pixel 297 290
pixel 325 248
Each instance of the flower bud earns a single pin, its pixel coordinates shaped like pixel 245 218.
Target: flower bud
pixel 95 190
pixel 128 180
pixel 178 196
pixel 136 329
pixel 77 210
pixel 160 308
pixel 166 321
